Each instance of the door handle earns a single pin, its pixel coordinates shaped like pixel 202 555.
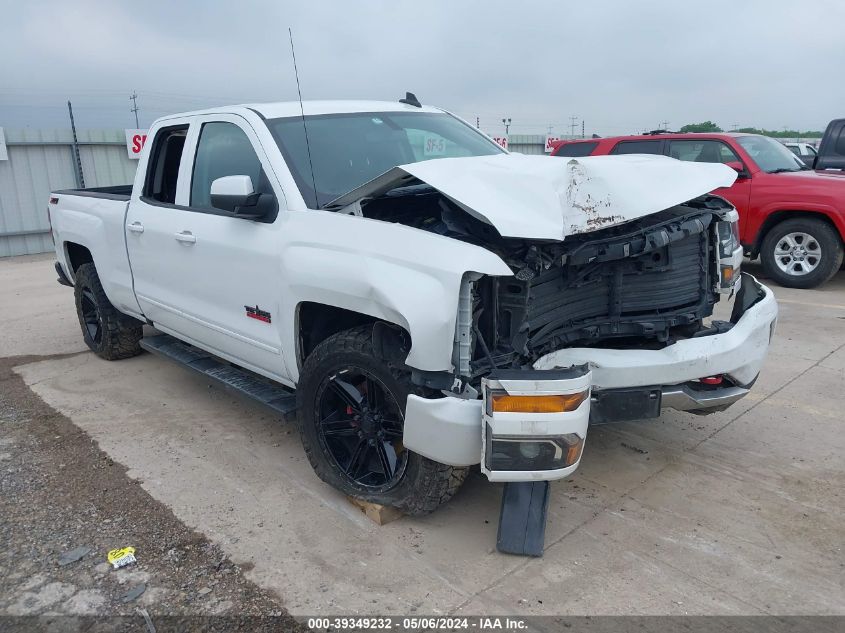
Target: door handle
pixel 185 236
pixel 135 227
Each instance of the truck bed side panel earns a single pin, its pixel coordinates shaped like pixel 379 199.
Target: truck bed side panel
pixel 97 223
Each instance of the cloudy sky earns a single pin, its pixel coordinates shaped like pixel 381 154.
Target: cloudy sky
pixel 620 65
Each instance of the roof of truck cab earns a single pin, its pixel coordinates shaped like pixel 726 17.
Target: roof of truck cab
pixel 291 108
pixel 280 109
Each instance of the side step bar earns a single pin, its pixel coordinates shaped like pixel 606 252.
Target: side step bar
pixel 272 395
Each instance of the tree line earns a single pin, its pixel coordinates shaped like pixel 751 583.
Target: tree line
pixel 709 126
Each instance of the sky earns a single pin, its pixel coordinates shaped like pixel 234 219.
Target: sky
pixel 620 66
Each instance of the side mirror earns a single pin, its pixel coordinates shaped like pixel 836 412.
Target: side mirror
pixel 236 195
pixel 230 192
pixel 738 167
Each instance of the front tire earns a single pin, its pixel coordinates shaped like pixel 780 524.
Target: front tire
pixel 801 253
pixel 351 409
pixel 110 334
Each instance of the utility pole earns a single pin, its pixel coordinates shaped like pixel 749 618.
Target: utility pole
pixel 134 107
pixel 80 177
pixel 572 125
pixel 735 126
pixel 550 130
pixel 665 125
pixel 582 128
pixel 507 123
pixel 477 123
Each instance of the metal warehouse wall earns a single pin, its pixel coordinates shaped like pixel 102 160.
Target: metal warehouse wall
pixel 41 161
pixel 527 143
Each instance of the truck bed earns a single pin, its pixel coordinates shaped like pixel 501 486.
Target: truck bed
pixel 118 192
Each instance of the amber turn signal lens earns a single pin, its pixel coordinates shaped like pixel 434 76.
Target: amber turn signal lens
pixel 573 453
pixel 727 275
pixel 504 403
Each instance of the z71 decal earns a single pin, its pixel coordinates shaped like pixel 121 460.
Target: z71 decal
pixel 258 314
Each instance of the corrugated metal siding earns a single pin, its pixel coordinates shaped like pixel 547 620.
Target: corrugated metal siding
pixel 527 143
pixel 41 161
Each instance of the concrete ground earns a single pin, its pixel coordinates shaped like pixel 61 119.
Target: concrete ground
pixel 737 513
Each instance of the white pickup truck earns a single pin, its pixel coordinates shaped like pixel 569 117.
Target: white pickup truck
pixel 418 298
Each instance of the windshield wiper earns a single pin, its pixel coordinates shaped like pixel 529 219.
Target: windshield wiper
pixel 781 170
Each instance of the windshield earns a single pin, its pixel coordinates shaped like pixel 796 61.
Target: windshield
pixel 348 150
pixel 770 155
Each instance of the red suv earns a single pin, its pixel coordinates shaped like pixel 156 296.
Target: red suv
pixel 792 217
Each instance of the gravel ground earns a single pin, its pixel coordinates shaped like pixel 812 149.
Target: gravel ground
pixel 60 495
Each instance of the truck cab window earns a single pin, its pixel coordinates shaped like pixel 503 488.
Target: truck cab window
pixel 163 169
pixel 704 151
pixel 224 150
pixel 638 147
pixel 577 149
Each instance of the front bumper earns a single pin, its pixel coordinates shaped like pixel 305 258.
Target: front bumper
pixel 738 353
pixel 451 430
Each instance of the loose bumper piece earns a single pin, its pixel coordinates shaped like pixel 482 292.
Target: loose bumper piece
pixel 534 423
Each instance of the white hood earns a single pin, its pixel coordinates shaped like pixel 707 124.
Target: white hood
pixel 546 197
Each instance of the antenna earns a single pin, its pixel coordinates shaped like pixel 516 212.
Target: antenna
pixel 304 127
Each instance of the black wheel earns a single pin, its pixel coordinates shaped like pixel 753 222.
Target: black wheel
pixel 351 417
pixel 109 333
pixel 801 253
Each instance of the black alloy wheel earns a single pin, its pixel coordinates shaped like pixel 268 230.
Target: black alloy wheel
pixel 91 316
pixel 360 427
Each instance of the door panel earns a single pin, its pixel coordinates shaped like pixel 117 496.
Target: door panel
pixel 202 274
pixel 150 226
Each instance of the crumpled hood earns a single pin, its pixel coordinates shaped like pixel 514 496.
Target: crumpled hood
pixel 546 197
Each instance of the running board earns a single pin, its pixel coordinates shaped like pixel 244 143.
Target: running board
pixel 272 395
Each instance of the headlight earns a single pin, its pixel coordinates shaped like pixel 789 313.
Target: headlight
pixel 530 453
pixel 729 252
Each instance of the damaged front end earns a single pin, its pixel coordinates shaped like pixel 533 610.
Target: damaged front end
pixel 608 322
pixel 641 284
pixel 638 285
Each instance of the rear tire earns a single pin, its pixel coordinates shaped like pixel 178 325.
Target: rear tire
pixel 801 253
pixel 351 408
pixel 110 334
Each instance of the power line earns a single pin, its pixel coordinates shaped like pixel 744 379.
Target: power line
pixel 134 107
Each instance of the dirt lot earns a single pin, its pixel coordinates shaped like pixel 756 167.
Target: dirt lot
pixel 65 504
pixel 737 513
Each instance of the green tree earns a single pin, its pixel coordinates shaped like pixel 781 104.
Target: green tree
pixel 782 133
pixel 707 126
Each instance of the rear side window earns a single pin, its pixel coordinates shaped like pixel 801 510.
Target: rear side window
pixel 702 151
pixel 840 142
pixel 224 149
pixel 638 147
pixel 576 149
pixel 163 169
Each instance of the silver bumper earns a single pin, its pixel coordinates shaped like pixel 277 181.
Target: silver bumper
pixel 683 398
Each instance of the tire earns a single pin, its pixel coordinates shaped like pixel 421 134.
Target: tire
pixel 801 253
pixel 332 435
pixel 109 333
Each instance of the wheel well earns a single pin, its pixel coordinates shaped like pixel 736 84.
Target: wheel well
pixel 77 255
pixel 316 322
pixel 779 216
